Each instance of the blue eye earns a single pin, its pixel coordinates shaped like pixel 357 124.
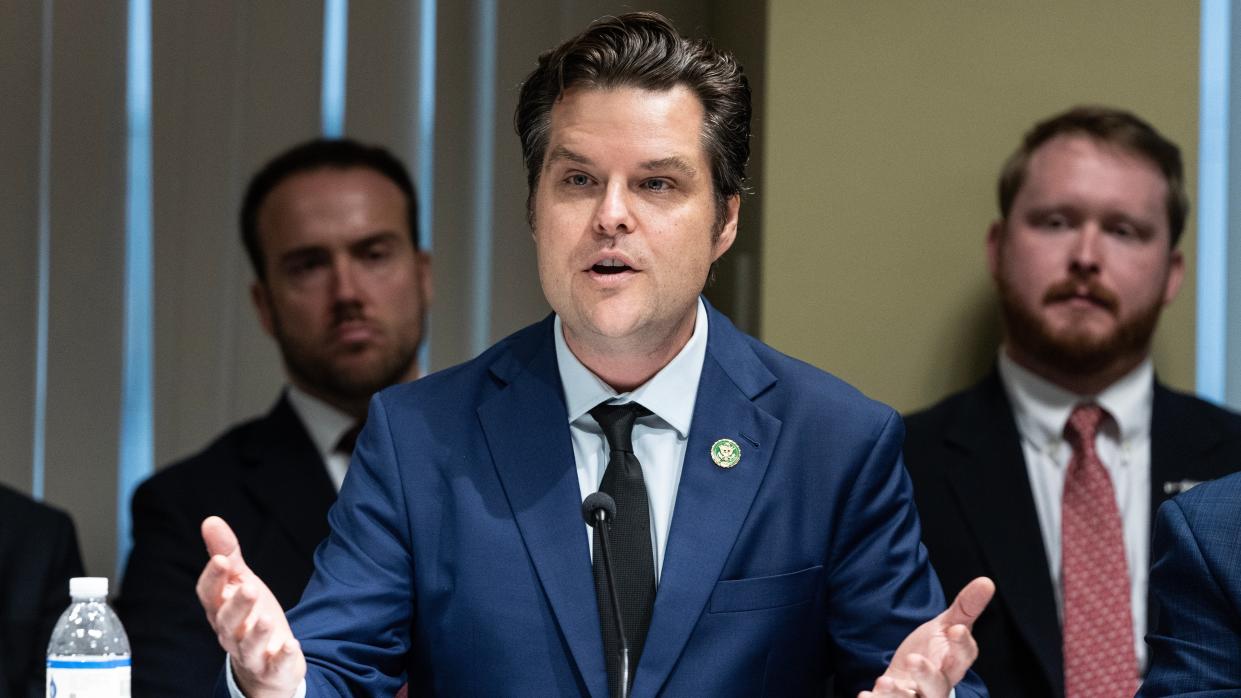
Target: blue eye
pixel 658 184
pixel 578 180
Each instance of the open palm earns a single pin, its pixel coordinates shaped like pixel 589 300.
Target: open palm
pixel 936 655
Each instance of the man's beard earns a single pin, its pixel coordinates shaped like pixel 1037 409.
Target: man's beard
pixel 1071 350
pixel 320 372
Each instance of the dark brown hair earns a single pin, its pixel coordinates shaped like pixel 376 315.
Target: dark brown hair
pixel 643 50
pixel 317 154
pixel 1111 126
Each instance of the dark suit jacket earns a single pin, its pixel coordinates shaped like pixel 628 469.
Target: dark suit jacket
pixel 458 554
pixel 267 480
pixel 38 555
pixel 1196 578
pixel 973 493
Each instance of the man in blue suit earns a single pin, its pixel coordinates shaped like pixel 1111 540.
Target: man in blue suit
pixel 765 537
pixel 1195 642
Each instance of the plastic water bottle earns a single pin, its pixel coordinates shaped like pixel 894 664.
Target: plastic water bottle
pixel 88 656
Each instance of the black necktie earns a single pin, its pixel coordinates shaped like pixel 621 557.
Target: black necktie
pixel 348 440
pixel 633 562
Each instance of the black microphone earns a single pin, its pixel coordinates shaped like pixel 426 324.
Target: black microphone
pixel 600 508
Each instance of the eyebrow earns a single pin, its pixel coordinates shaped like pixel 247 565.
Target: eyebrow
pixel 313 249
pixel 673 162
pixel 301 254
pixel 562 153
pixel 380 235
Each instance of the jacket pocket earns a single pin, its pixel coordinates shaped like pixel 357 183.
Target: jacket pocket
pixel 758 593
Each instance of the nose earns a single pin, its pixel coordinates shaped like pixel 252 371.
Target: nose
pixel 344 281
pixel 1084 257
pixel 614 214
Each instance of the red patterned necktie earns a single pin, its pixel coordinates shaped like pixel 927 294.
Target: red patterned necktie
pixel 1099 658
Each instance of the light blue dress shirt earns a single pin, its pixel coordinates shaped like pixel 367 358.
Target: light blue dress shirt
pixel 659 441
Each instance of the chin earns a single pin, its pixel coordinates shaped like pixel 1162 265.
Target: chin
pixel 610 320
pixel 1083 335
pixel 612 329
pixel 1080 343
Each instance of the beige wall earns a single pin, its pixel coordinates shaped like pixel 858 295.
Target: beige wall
pixel 886 125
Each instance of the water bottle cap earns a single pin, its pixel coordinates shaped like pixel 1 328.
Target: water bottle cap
pixel 88 587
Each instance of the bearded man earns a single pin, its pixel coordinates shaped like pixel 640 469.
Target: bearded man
pixel 330 228
pixel 1045 475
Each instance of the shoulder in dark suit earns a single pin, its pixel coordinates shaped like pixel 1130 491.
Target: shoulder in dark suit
pixel 978 515
pixel 266 479
pixel 1196 578
pixel 38 555
pixel 459 558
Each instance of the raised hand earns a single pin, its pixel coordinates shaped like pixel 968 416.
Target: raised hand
pixel 936 655
pixel 266 659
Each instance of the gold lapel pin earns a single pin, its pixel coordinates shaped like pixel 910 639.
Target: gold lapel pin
pixel 726 453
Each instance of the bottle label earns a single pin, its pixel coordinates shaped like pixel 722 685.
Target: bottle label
pixel 88 678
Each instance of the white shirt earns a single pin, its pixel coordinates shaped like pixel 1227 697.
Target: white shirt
pixel 325 425
pixel 1041 410
pixel 659 441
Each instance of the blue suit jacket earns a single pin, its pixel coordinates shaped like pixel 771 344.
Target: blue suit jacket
pixel 1196 576
pixel 458 555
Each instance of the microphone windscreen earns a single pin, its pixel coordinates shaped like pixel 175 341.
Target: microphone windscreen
pixel 596 501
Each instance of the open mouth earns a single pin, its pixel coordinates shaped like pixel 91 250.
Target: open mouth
pixel 611 266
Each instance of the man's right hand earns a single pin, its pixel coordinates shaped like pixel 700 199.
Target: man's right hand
pixel 248 621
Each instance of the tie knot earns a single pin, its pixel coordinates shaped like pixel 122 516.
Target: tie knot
pixel 1083 425
pixel 349 439
pixel 617 422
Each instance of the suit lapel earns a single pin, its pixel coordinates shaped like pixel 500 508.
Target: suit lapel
pixel 286 475
pixel 711 502
pixel 1183 435
pixel 527 431
pixel 1181 441
pixel 1172 440
pixel 993 486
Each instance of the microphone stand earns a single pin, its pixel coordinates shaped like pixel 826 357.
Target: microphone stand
pixel 601 525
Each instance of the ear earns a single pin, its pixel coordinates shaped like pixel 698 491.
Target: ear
pixel 995 238
pixel 1176 275
pixel 261 298
pixel 532 204
pixel 728 235
pixel 425 278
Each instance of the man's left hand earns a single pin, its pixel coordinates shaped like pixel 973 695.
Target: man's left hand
pixel 935 656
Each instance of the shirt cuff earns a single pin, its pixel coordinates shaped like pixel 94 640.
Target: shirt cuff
pixel 236 692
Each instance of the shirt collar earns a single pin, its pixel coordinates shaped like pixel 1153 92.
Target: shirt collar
pixel 323 422
pixel 669 394
pixel 1041 408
